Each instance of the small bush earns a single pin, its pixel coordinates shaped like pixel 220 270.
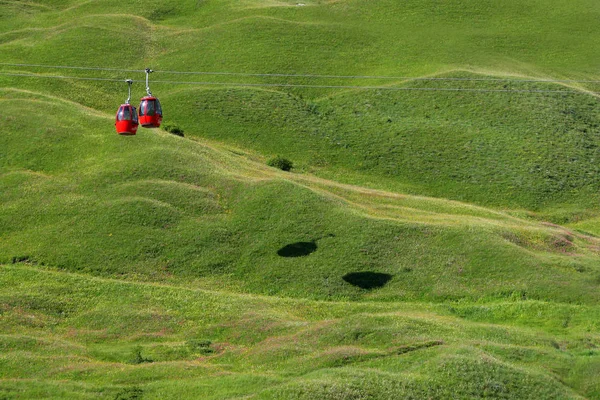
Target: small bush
pixel 200 346
pixel 137 357
pixel 22 259
pixel 173 128
pixel 280 162
pixel 133 393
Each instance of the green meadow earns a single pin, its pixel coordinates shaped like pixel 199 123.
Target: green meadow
pixel 438 236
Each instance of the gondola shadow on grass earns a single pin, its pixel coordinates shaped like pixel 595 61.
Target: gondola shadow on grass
pixel 367 280
pixel 298 249
pixel 301 249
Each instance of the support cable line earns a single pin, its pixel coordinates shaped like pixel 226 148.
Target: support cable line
pixel 418 78
pixel 81 78
pixel 311 76
pixel 71 67
pixel 291 85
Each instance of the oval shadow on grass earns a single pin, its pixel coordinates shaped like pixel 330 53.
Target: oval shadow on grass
pixel 367 280
pixel 298 249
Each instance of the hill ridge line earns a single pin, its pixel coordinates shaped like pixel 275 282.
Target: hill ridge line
pixel 88 110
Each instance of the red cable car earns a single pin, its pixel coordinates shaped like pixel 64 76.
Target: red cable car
pixel 150 109
pixel 150 112
pixel 126 120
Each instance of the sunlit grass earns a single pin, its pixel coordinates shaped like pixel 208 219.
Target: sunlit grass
pixel 426 244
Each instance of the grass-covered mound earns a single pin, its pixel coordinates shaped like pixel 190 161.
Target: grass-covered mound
pixel 73 336
pixel 162 207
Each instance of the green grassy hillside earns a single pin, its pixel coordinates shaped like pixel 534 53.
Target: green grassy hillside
pixel 437 238
pixel 163 207
pixel 536 151
pixel 176 227
pixel 72 336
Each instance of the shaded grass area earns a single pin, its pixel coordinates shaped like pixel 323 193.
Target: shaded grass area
pixel 82 332
pixel 163 208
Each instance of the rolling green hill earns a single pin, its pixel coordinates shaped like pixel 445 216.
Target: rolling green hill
pixel 73 336
pixel 536 151
pixel 437 237
pixel 164 207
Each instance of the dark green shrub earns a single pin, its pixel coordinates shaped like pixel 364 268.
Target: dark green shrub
pixel 133 393
pixel 173 128
pixel 280 162
pixel 21 259
pixel 137 357
pixel 200 346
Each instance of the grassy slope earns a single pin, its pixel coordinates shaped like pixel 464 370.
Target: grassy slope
pixel 66 335
pixel 161 209
pixel 533 151
pixel 189 218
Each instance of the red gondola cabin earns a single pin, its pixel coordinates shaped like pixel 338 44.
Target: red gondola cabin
pixel 126 120
pixel 150 112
